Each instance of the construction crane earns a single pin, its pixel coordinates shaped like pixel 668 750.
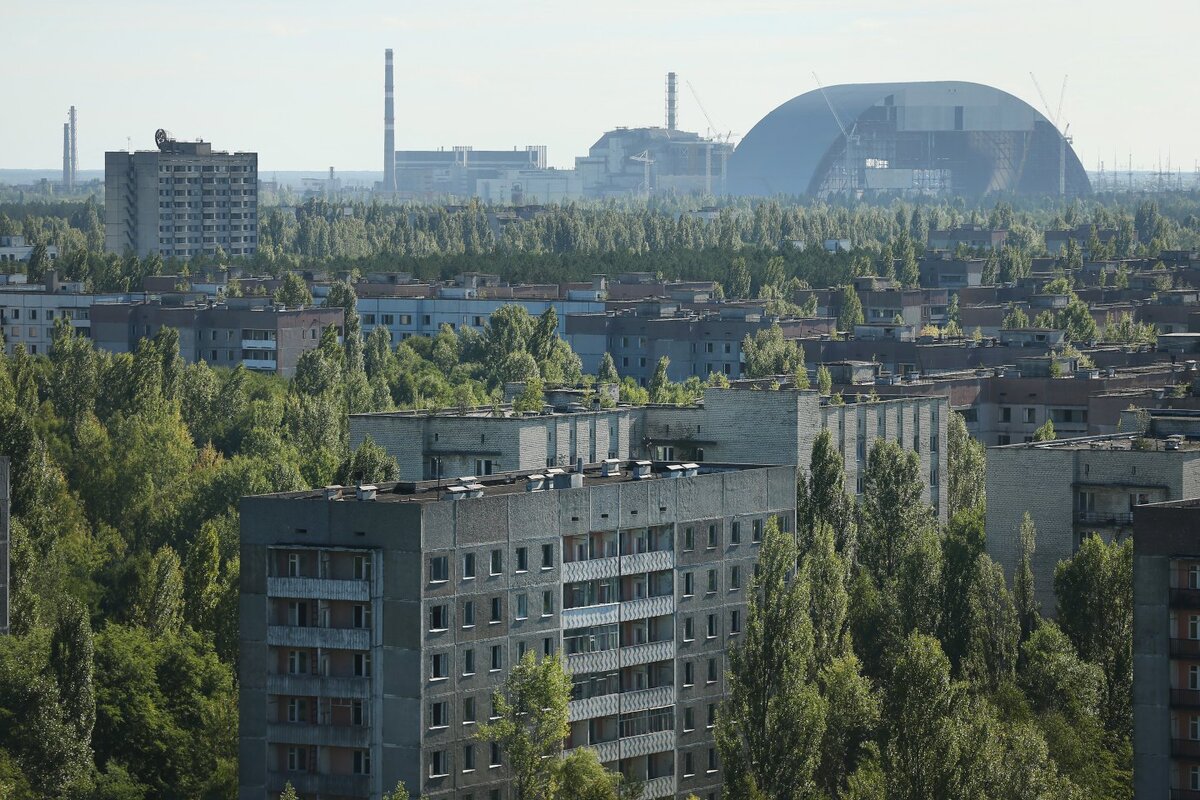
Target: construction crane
pixel 712 128
pixel 850 136
pixel 1064 138
pixel 646 160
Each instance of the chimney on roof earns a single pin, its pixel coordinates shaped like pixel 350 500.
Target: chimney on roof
pixel 672 102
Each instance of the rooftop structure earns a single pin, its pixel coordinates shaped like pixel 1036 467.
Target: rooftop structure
pixel 376 621
pixel 942 137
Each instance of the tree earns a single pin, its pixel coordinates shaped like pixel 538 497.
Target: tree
pixel 289 792
pixel 71 660
pixel 994 629
pixel 919 706
pixel 659 382
pixel 369 464
pixel 293 292
pixel 1095 610
pixel 1045 433
pixel 828 601
pixel 1077 322
pixel 1015 318
pixel 771 724
pixel 851 313
pixel 965 462
pixel 607 373
pixel 823 499
pixel 161 604
pixel 1023 592
pixel 581 776
pixel 530 724
pixel 737 281
pixel 892 513
pixel 851 720
pixel 824 380
pixel 768 354
pixel 532 397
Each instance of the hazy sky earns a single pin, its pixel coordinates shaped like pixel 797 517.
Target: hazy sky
pixel 302 82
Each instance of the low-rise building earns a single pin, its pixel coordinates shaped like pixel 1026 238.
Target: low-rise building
pixel 29 311
pixel 14 249
pixel 376 622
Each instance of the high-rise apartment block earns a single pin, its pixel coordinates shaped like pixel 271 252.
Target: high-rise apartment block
pixel 181 200
pixel 1166 650
pixel 376 622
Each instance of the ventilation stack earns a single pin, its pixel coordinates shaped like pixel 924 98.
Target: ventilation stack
pixel 389 126
pixel 671 102
pixel 66 181
pixel 74 151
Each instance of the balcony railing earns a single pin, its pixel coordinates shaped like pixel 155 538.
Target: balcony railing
pixel 319 588
pixel 324 735
pixel 334 638
pixel 1186 748
pixel 1185 598
pixel 319 686
pixel 1185 648
pixel 1104 517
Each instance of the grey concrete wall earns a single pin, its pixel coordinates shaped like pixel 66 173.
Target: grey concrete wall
pixel 1151 677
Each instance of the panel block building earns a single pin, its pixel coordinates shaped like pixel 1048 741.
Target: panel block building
pixel 181 200
pixel 375 622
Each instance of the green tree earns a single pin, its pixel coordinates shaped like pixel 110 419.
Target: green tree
pixel 369 464
pixel 607 373
pixel 737 280
pixel 919 706
pixel 530 722
pixel 71 661
pixel 995 631
pixel 892 513
pixel 532 397
pixel 1024 599
pixel 824 380
pixel 660 384
pixel 161 605
pixel 771 723
pixel 768 353
pixel 293 292
pixel 1077 322
pixel 851 312
pixel 1015 318
pixel 823 499
pixel 965 462
pixel 851 723
pixel 1045 433
pixel 828 601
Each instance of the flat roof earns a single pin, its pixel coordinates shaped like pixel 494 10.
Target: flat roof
pixel 1109 442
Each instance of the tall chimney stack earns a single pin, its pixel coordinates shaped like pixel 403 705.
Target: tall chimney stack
pixel 74 151
pixel 389 126
pixel 671 102
pixel 66 181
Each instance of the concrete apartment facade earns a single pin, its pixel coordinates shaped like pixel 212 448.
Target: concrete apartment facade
pixel 28 311
pixel 1076 487
pixel 734 425
pixel 1166 651
pixel 375 623
pixel 181 201
pixel 247 331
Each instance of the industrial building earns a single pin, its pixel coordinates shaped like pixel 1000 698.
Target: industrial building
pixel 376 622
pixel 938 137
pixel 1166 650
pixel 180 200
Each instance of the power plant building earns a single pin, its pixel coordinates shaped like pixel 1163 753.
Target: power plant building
pixel 943 137
pixel 181 200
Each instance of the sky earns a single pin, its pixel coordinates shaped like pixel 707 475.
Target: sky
pixel 301 82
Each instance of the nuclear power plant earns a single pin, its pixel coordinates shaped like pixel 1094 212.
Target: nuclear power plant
pixel 937 138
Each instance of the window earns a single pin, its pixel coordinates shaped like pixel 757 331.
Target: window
pixel 689 719
pixel 522 559
pixel 712 581
pixel 1195 778
pixel 495 610
pixel 1030 415
pixel 735 578
pixel 483 466
pixel 468 572
pixel 362 762
pixel 469 661
pixel 756 530
pixel 711 630
pixel 439 714
pixel 712 670
pixel 437 618
pixel 689 629
pixel 298 662
pixel 497 657
pixel 468 710
pixel 468 614
pixel 735 622
pixel 1194 728
pixel 1194 576
pixel 497 562
pixel 297 710
pixel 689 764
pixel 735 532
pixel 522 606
pixel 1194 626
pixel 494 757
pixel 1005 414
pixel 298 614
pixel 1002 439
pixel 521 648
pixel 548 646
pixel 437 764
pixel 547 556
pixel 358 713
pixel 362 568
pixel 362 665
pixel 712 715
pixel 712 536
pixel 689 539
pixel 439 569
pixel 362 616
pixel 547 603
pixel 468 757
pixel 438 666
pixel 295 565
pixel 712 760
pixel 688 584
pixel 689 673
pixel 298 759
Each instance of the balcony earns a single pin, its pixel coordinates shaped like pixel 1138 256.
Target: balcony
pixel 605 705
pixel 647 653
pixel 1185 648
pixel 1185 598
pixel 358 736
pixel 319 588
pixel 587 616
pixel 598 661
pixel 648 562
pixel 329 638
pixel 258 344
pixel 643 699
pixel 314 783
pixel 1104 518
pixel 259 363
pixel 659 787
pixel 647 607
pixel 590 570
pixel 1185 748
pixel 319 686
pixel 650 743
